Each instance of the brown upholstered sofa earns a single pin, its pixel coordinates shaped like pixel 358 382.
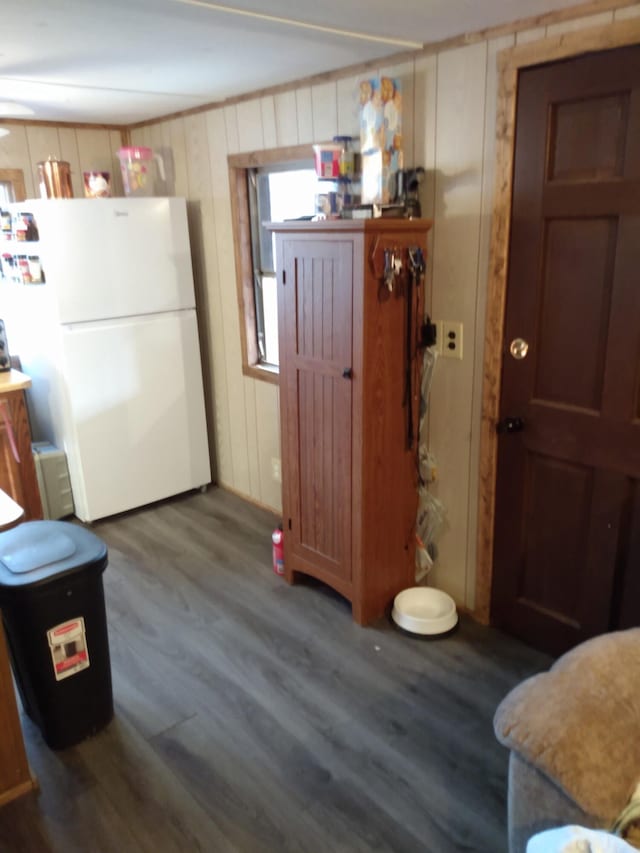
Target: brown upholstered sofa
pixel 574 736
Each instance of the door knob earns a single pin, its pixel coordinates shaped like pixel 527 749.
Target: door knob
pixel 510 425
pixel 347 373
pixel 519 348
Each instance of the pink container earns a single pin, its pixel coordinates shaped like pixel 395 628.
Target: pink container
pixel 137 165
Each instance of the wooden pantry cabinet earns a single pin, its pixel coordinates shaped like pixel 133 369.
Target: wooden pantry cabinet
pixel 348 357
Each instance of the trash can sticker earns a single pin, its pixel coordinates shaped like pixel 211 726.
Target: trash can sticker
pixel 68 645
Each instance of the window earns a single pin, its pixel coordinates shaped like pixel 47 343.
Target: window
pixel 266 186
pixel 276 193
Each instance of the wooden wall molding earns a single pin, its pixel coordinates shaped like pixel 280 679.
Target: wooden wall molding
pixel 510 62
pixel 581 10
pixel 21 122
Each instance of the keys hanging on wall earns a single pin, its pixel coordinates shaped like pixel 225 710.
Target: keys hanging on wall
pixel 389 269
pixel 392 265
pixel 392 268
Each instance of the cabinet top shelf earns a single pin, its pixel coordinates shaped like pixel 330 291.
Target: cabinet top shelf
pixel 367 226
pixel 13 380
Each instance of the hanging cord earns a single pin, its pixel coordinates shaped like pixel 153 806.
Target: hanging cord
pixel 414 283
pixel 408 402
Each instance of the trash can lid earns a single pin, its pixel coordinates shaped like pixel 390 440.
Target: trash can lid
pixel 37 552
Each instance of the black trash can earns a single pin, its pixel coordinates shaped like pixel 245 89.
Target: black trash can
pixel 52 602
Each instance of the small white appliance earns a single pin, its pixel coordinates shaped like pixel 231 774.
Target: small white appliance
pixel 107 332
pixel 52 473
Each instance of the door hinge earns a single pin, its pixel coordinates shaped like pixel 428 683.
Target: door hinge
pixel 284 277
pixel 289 524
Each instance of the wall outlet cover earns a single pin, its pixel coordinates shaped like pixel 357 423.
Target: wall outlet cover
pixel 451 338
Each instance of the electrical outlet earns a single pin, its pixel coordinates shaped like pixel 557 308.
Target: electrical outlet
pixel 451 339
pixel 276 469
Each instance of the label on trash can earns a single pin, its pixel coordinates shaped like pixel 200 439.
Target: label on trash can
pixel 68 645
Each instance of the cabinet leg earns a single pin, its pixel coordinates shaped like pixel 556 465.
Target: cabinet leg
pixel 357 612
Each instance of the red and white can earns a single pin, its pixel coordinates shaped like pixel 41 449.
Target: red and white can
pixel 277 537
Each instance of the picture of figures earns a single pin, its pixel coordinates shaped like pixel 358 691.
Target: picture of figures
pixel 371 116
pixel 380 137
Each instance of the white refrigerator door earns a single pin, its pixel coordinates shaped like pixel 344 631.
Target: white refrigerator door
pixel 135 401
pixel 115 257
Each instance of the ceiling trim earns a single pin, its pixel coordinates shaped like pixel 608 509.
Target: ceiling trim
pixel 304 25
pixel 580 10
pixel 312 80
pixel 21 122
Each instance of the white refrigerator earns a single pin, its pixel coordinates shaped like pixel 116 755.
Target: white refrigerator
pixel 110 341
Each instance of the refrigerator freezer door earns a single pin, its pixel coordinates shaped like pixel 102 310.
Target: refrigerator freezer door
pixel 134 390
pixel 115 257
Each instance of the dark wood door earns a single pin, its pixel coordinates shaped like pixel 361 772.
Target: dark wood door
pixel 316 394
pixel 567 550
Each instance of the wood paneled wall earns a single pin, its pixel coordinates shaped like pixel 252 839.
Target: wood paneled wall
pixel 449 122
pixel 84 148
pixel 449 128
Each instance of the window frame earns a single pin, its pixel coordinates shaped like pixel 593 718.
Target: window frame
pixel 16 178
pixel 239 166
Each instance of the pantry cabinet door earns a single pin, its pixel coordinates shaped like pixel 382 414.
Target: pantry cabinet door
pixel 315 314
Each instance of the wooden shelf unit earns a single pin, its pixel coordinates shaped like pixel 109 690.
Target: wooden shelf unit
pixel 349 474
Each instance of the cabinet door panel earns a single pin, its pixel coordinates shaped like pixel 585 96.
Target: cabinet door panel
pixel 316 351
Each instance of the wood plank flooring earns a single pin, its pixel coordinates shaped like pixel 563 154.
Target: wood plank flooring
pixel 254 716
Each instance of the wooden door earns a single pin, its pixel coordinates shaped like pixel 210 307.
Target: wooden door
pixel 315 307
pixel 567 550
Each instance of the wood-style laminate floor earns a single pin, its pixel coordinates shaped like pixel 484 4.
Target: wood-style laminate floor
pixel 254 716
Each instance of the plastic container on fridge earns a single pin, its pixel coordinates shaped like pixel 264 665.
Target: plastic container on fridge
pixel 138 167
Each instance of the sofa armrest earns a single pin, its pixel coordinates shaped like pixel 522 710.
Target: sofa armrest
pixel 579 723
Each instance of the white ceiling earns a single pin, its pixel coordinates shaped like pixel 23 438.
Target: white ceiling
pixel 124 61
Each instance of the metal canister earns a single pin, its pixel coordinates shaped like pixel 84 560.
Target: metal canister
pixel 54 177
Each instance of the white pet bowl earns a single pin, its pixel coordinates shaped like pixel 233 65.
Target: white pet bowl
pixel 423 610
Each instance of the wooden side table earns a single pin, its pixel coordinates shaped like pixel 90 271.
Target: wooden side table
pixel 17 469
pixel 15 776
